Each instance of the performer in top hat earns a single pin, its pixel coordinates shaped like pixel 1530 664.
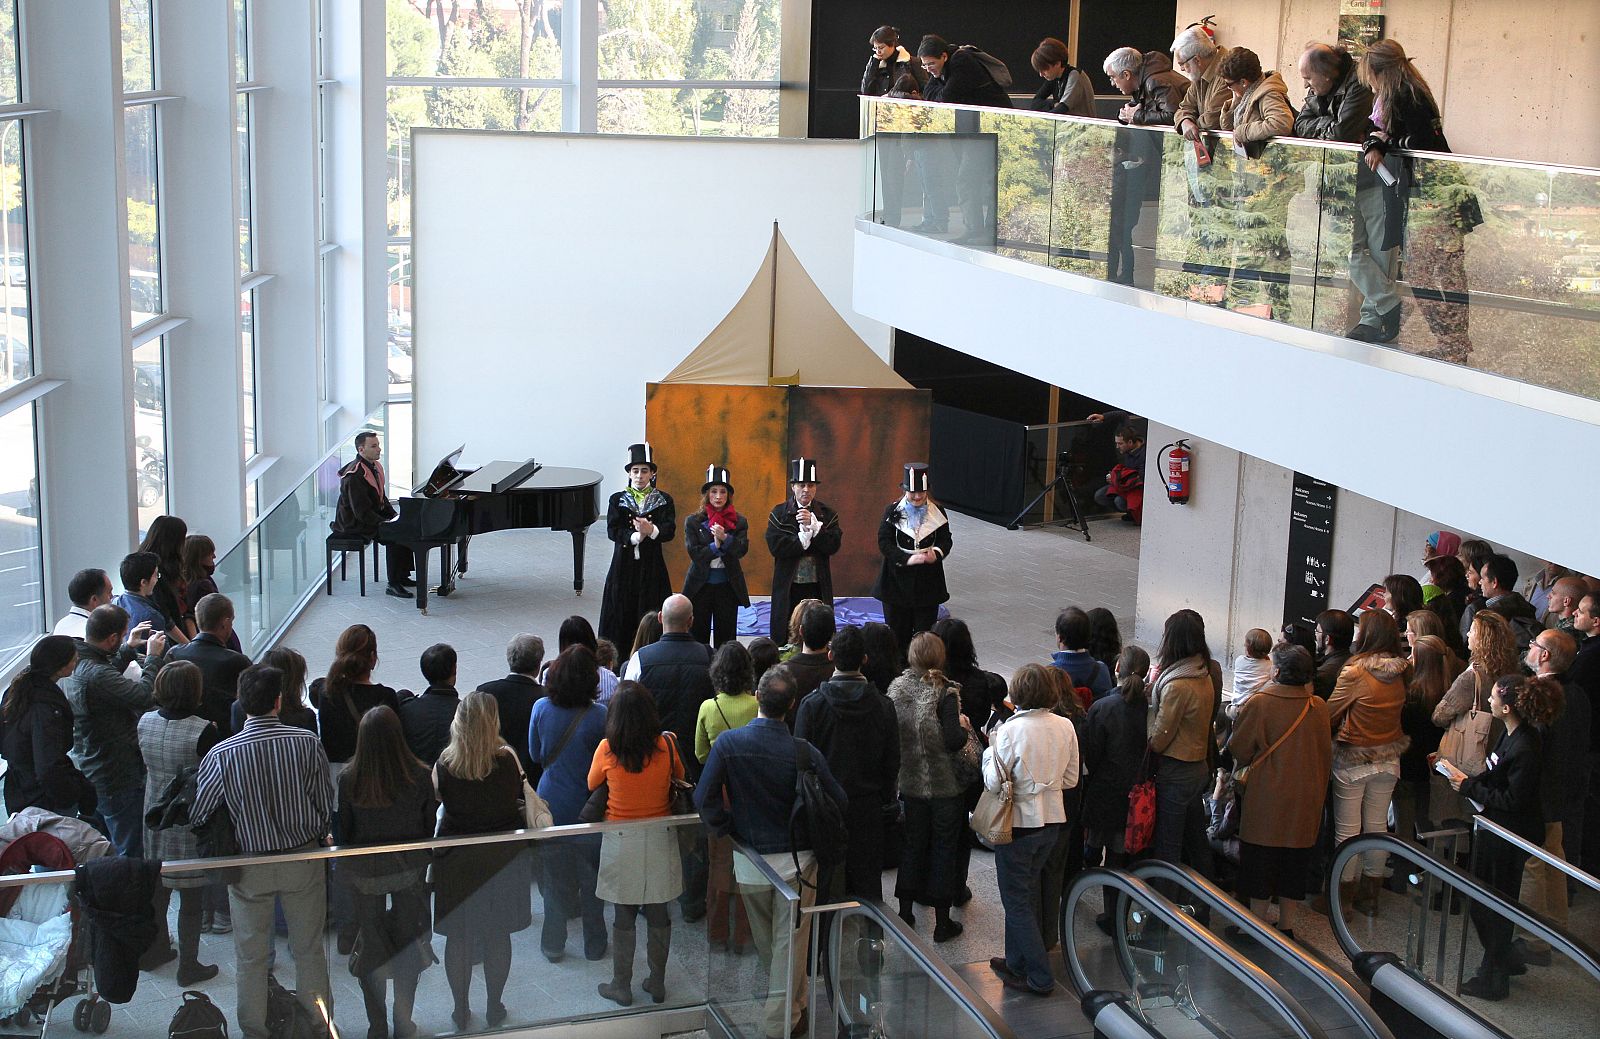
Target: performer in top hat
pixel 716 538
pixel 639 520
pixel 802 533
pixel 914 538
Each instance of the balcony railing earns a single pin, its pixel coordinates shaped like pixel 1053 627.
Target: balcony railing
pixel 1496 263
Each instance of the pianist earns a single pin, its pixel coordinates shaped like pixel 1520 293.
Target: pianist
pixel 364 507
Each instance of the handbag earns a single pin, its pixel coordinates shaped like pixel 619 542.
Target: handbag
pixel 1465 742
pixel 680 792
pixel 1140 827
pixel 966 761
pixel 991 818
pixel 1242 773
pixel 536 813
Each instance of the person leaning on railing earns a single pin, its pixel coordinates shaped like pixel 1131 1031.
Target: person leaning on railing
pixel 1338 107
pixel 1199 59
pixel 1066 89
pixel 1258 109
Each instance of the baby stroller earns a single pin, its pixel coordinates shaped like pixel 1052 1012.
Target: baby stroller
pixel 44 953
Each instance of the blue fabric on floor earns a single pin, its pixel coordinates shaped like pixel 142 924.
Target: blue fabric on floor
pixel 847 610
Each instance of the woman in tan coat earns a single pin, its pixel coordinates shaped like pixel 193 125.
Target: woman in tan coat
pixel 1364 713
pixel 1258 108
pixel 1280 735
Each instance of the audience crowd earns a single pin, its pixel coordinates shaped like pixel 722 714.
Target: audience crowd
pixel 1463 690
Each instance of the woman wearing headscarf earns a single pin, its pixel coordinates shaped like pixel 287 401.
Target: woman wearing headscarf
pixel 716 538
pixel 640 518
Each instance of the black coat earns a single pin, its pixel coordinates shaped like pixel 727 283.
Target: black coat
pixel 637 581
pixel 1509 787
pixel 337 719
pixel 118 896
pixel 966 81
pixel 879 77
pixel 921 585
pixel 1113 747
pixel 219 669
pixel 360 509
pixel 516 695
pixel 855 728
pixel 677 671
pixel 783 541
pixel 698 540
pixel 426 720
pixel 36 746
pixel 1343 114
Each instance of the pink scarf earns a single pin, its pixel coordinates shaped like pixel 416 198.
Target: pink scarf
pixel 373 473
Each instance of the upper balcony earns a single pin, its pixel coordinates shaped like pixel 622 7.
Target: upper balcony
pixel 1216 296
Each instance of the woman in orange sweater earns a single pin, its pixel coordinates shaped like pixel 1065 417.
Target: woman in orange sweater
pixel 640 871
pixel 1364 711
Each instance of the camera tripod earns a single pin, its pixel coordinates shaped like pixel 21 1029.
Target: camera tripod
pixel 1073 520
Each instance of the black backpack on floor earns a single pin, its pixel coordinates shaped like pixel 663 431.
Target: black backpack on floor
pixel 288 1018
pixel 198 1018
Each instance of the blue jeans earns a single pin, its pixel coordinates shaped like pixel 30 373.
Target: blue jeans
pixel 1020 866
pixel 1180 819
pixel 123 811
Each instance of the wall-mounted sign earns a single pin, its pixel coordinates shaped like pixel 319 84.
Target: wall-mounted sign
pixel 1360 24
pixel 1310 565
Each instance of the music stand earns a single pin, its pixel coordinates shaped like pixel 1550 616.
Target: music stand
pixel 1074 520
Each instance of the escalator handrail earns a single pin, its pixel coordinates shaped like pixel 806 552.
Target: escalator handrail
pixel 929 961
pixel 1588 880
pixel 1314 970
pixel 1561 941
pixel 1247 972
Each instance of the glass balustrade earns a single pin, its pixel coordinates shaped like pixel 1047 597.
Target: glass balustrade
pixel 392 926
pixel 1495 264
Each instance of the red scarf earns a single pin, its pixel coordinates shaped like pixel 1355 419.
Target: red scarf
pixel 725 516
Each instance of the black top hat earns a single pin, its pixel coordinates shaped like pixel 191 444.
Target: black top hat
pixel 802 470
pixel 916 478
pixel 716 474
pixel 640 454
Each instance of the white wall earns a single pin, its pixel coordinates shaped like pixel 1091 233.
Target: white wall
pixel 555 276
pixel 1224 553
pixel 1340 411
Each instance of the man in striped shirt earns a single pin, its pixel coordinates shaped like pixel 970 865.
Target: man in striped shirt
pixel 274 781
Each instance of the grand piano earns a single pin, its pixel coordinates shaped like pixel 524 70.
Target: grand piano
pixel 452 504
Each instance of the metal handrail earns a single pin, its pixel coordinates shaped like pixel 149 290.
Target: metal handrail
pixel 1245 971
pixel 1332 146
pixel 347 851
pixel 770 875
pixel 1589 880
pixel 1568 945
pixel 1222 905
pixel 927 960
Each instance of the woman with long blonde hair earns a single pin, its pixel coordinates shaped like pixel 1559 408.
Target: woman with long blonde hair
pixel 481 892
pixel 1427 208
pixel 1492 652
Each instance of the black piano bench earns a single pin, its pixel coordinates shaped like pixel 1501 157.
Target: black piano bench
pixel 346 543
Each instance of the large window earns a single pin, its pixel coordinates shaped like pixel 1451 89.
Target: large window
pixel 16 343
pixel 21 587
pixel 249 313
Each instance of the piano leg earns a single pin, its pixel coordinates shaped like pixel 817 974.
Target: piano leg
pixel 447 578
pixel 422 579
pixel 577 559
pixel 461 555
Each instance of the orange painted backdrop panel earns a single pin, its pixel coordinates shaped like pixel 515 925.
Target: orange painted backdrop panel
pixel 745 428
pixel 861 439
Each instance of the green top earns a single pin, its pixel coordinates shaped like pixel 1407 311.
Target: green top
pixel 719 714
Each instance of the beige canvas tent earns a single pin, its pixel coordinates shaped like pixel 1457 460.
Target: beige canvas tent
pixel 783 332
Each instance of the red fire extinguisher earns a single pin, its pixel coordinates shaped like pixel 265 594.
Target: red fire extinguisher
pixel 1176 472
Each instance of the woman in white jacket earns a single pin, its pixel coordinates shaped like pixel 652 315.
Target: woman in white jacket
pixel 1038 751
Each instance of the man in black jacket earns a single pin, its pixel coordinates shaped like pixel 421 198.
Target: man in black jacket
pixel 677 670
pixel 854 727
pixel 811 666
pixel 802 535
pixel 426 719
pixel 1335 630
pixel 1338 107
pixel 516 694
pixel 219 666
pixel 364 507
pixel 956 76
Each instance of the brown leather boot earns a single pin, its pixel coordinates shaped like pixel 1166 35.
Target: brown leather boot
pixel 1347 895
pixel 1368 890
